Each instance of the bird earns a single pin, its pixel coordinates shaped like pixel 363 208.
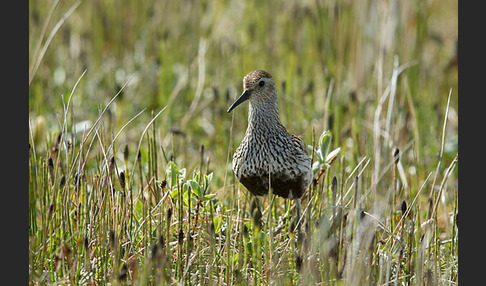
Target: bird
pixel 268 155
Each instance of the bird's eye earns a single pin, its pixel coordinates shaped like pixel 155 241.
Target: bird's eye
pixel 261 83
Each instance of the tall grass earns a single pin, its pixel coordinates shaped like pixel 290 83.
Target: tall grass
pixel 130 177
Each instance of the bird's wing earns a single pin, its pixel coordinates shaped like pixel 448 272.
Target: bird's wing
pixel 299 143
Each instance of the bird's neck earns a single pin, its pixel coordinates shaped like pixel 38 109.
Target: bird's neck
pixel 264 114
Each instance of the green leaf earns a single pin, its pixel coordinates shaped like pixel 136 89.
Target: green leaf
pixel 218 223
pixel 172 173
pixel 316 167
pixel 208 178
pixel 332 154
pixel 319 155
pixel 207 181
pixel 182 174
pixel 208 197
pixel 196 176
pixel 195 187
pixel 174 193
pixel 185 198
pixel 324 143
pixel 138 209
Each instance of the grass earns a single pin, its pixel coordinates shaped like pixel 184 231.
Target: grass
pixel 130 148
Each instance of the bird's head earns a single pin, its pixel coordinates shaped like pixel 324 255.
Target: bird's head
pixel 258 87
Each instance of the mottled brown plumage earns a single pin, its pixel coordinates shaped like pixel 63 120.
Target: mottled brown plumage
pixel 268 153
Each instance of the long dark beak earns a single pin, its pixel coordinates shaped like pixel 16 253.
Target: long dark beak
pixel 244 96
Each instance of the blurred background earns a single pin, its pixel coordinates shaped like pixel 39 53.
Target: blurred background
pixel 332 62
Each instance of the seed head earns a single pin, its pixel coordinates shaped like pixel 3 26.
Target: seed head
pixel 257 218
pixel 163 184
pixel 50 165
pixel 212 230
pixel 298 261
pixel 111 236
pixel 404 207
pixel 169 214
pixel 62 182
pixel 245 230
pixel 362 214
pixel 396 155
pixel 51 210
pixel 334 185
pixel 112 162
pixel 126 152
pixel 334 190
pixel 180 237
pixel 122 180
pixel 86 243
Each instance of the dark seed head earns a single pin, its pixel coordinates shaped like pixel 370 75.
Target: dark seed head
pixel 190 240
pixel 86 243
pixel 257 218
pixel 404 207
pixel 334 189
pixel 396 155
pixel 245 230
pixel 58 139
pixel 126 153
pixel 362 214
pixel 77 179
pixel 253 206
pixel 180 237
pixel 211 230
pixel 122 179
pixel 50 164
pixel 112 162
pixel 298 261
pixel 163 184
pixel 111 236
pixel 62 182
pixel 51 210
pixel 169 214
pixel 334 185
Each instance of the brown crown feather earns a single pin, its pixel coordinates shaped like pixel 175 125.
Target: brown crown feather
pixel 255 76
